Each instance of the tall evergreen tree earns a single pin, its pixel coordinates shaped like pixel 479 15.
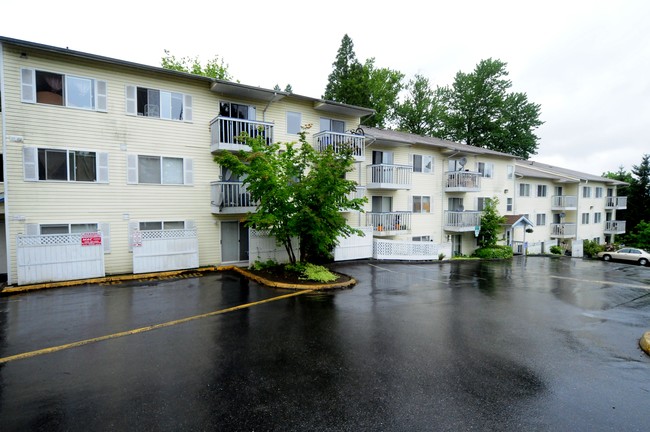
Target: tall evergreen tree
pixel 638 202
pixel 420 112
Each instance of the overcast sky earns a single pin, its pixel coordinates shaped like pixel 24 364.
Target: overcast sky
pixel 587 63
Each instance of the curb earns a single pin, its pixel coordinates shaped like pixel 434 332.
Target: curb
pixel 314 287
pixel 644 342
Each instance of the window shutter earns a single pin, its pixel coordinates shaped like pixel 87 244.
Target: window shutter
pixel 32 229
pixel 101 92
pixel 252 113
pixel 188 171
pixel 187 108
pixel 410 203
pixel 28 85
pixel 410 159
pixel 131 169
pixel 105 229
pixel 131 100
pixel 133 226
pixel 30 163
pixel 102 167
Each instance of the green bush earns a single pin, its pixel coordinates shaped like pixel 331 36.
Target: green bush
pixel 494 252
pixel 311 272
pixel 556 250
pixel 591 248
pixel 264 265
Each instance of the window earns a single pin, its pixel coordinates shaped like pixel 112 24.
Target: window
pixel 541 191
pixel 586 192
pixel 598 217
pixel 332 125
pixel 524 189
pixel 481 202
pixel 585 218
pixel 159 170
pixel 422 163
pixel 161 225
pixel 421 238
pixel 486 169
pixel 509 204
pixel 68 228
pixel 65 90
pixel 455 204
pixel 599 192
pixel 293 122
pixel 382 204
pixel 511 172
pixel 156 103
pixel 421 204
pixel 239 111
pixel 42 164
pixel 541 219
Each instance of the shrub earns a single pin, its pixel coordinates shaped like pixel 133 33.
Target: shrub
pixel 312 272
pixel 264 265
pixel 591 248
pixel 441 256
pixel 556 250
pixel 494 252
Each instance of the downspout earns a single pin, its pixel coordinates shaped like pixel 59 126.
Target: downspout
pixel 4 160
pixel 267 106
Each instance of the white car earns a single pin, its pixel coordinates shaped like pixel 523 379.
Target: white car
pixel 627 254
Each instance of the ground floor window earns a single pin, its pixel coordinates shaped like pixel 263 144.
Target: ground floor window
pixel 161 225
pixel 68 228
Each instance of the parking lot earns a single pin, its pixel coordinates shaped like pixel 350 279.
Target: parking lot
pixel 529 344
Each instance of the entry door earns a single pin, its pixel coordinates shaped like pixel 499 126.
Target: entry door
pixel 234 242
pixel 456 241
pixel 382 174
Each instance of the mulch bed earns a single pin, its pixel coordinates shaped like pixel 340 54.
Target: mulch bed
pixel 280 275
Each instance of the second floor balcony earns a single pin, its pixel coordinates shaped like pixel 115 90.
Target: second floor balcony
pixel 462 181
pixel 226 133
pixel 563 230
pixel 389 223
pixel 230 198
pixel 462 221
pixel 564 202
pixel 616 202
pixel 615 227
pixel 387 176
pixel 339 141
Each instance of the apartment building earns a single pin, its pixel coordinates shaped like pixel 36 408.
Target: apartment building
pixel 108 169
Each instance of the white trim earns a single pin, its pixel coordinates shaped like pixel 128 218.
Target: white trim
pixel 4 165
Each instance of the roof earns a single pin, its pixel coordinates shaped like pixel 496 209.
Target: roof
pixel 534 169
pixel 229 88
pixel 393 137
pixel 515 220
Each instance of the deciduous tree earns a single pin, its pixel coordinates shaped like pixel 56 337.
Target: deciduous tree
pixel 215 68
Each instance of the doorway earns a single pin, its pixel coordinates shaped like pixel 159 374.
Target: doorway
pixel 234 242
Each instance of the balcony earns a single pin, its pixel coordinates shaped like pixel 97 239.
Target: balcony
pixel 615 227
pixel 563 230
pixel 617 203
pixel 462 221
pixel 230 198
pixel 463 181
pixel 389 177
pixel 389 224
pixel 564 202
pixel 226 133
pixel 339 141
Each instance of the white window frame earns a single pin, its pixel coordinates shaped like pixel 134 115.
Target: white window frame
pixel 133 170
pixel 598 217
pixel 541 219
pixel 586 191
pixel 163 225
pixel 425 161
pixel 294 122
pixel 543 189
pixel 486 169
pixel 524 189
pixel 31 165
pixel 585 218
pixel 29 92
pixel 599 192
pixel 422 238
pixel 510 172
pixel 326 124
pixel 163 110
pixel 104 228
pixel 420 199
pixel 509 204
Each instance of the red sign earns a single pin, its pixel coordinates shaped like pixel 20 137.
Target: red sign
pixel 91 239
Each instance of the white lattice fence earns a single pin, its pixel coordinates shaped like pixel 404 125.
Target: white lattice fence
pixel 263 247
pixel 57 257
pixel 409 250
pixel 355 246
pixel 161 250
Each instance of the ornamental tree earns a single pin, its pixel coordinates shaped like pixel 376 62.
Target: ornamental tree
pixel 301 193
pixel 491 224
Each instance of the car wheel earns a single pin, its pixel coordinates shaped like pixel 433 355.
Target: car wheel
pixel 607 257
pixel 643 262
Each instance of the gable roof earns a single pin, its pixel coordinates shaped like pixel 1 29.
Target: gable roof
pixel 514 220
pixel 534 169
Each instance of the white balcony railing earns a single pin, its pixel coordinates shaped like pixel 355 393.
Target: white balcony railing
pixel 463 181
pixel 389 223
pixel 230 197
pixel 619 203
pixel 460 221
pixel 564 202
pixel 615 227
pixel 226 133
pixel 563 230
pixel 387 176
pixel 339 141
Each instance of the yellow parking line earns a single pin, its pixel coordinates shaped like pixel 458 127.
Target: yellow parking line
pixel 646 287
pixel 144 329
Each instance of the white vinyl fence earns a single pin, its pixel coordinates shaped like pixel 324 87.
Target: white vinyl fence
pixel 409 250
pixel 355 246
pixel 263 247
pixel 58 257
pixel 161 250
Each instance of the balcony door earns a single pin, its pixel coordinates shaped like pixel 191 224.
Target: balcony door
pixel 559 190
pixel 382 174
pixel 230 129
pixel 382 204
pixel 455 204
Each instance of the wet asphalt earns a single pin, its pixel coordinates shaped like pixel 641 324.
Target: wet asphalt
pixel 529 344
